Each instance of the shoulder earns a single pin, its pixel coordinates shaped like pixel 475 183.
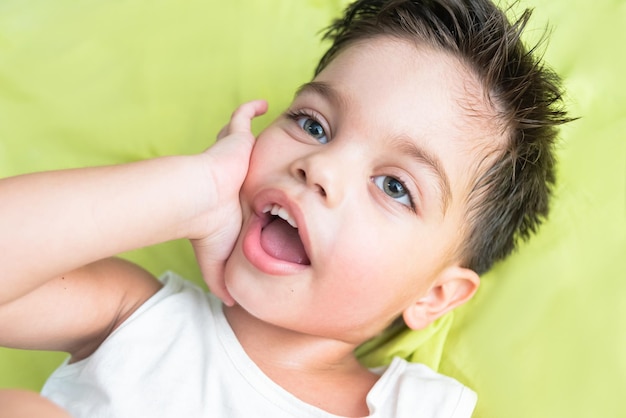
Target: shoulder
pixel 177 297
pixel 179 308
pixel 169 345
pixel 116 288
pixel 414 389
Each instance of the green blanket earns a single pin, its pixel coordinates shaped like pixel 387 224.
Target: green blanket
pixel 102 82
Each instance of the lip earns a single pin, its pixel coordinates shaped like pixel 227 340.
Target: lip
pixel 251 247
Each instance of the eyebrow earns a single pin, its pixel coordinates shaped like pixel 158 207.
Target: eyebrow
pixel 325 90
pixel 407 146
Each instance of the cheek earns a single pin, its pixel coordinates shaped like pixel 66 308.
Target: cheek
pixel 263 158
pixel 271 149
pixel 384 263
pixel 366 262
pixel 260 155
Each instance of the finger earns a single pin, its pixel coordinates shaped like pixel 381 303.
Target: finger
pixel 222 293
pixel 213 274
pixel 242 116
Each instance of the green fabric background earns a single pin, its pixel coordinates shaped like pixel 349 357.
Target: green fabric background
pixel 101 82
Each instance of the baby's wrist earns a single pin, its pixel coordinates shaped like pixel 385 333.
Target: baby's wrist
pixel 198 195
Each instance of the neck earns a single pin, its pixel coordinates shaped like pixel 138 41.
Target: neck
pixel 319 371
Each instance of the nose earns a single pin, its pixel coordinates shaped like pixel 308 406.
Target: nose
pixel 323 172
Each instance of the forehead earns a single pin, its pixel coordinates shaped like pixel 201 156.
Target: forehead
pixel 383 75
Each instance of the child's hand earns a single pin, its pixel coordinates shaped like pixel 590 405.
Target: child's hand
pixel 228 165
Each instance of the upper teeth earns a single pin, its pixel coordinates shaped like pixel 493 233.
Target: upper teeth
pixel 281 213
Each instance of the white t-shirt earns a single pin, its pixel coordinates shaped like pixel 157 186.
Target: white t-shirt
pixel 176 356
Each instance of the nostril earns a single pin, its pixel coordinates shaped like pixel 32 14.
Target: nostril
pixel 302 176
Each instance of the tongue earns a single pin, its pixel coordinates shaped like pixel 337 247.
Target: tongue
pixel 281 241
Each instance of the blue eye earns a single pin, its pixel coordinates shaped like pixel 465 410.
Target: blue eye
pixel 395 189
pixel 312 128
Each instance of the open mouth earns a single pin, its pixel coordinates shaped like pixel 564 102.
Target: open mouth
pixel 280 237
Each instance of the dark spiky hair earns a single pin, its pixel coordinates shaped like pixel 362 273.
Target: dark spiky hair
pixel 510 196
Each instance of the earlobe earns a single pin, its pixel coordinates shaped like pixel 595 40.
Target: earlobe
pixel 454 286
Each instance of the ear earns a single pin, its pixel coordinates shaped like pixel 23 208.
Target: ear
pixel 453 287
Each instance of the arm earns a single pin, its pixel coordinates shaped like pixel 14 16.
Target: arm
pixel 76 311
pixel 24 404
pixel 54 223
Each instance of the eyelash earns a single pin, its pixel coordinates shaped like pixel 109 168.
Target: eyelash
pixel 295 115
pixel 299 113
pixel 411 206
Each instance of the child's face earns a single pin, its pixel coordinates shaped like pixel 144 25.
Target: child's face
pixel 373 162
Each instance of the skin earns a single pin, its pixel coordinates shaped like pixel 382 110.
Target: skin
pixel 375 253
pixel 24 404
